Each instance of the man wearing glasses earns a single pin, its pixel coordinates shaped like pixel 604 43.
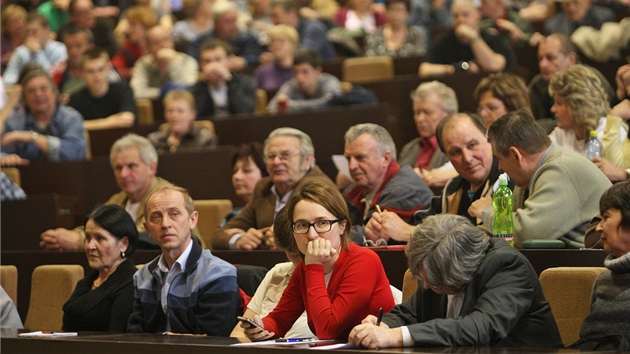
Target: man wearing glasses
pixel 290 157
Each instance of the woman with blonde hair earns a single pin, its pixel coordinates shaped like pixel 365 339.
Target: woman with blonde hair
pixel 498 94
pixel 279 68
pixel 581 105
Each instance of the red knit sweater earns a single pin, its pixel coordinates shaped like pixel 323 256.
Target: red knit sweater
pixel 358 287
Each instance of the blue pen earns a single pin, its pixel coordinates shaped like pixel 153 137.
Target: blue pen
pixel 292 340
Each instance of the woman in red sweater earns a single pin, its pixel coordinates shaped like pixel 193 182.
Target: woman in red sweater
pixel 337 283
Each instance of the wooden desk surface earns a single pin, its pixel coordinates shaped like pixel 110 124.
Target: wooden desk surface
pixel 394 262
pixel 159 344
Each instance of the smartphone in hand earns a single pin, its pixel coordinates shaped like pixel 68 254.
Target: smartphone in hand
pixel 249 321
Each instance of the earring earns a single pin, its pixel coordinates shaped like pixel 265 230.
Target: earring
pixel 123 254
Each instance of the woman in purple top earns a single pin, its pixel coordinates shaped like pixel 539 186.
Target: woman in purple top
pixel 279 63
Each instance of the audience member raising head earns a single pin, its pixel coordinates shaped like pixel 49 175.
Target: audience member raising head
pixel 358 285
pixel 103 300
pixel 458 301
pixel 497 94
pixel 181 133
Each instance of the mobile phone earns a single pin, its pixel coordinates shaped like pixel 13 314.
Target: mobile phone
pixel 249 321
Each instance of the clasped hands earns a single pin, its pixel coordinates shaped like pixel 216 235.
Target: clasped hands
pixel 253 238
pixel 387 225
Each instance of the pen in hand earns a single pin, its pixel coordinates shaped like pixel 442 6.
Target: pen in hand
pixel 380 316
pixel 378 208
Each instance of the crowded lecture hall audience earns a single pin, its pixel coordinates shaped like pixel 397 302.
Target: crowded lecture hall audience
pixel 244 104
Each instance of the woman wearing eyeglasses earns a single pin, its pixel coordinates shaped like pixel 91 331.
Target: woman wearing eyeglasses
pixel 498 94
pixel 338 283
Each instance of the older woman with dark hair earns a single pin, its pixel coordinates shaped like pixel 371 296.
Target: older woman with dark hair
pixel 248 166
pixel 611 292
pixel 337 282
pixel 396 38
pixel 581 105
pixel 103 300
pixel 473 291
pixel 498 94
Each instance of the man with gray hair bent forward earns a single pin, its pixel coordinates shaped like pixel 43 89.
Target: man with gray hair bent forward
pixel 473 290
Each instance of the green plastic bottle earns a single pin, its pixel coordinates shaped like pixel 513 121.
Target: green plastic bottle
pixel 503 201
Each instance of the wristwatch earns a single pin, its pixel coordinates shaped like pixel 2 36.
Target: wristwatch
pixel 462 66
pixel 34 135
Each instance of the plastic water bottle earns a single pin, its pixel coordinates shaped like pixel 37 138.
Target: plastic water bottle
pixel 593 146
pixel 503 202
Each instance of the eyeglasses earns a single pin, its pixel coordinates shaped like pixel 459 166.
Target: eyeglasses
pixel 320 226
pixel 490 108
pixel 284 156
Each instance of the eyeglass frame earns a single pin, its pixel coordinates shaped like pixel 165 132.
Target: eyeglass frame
pixel 312 224
pixel 283 156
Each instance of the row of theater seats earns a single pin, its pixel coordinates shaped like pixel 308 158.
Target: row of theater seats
pixel 568 290
pixel 211 211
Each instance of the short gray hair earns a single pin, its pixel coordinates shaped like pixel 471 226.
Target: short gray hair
pixel 147 151
pixel 383 139
pixel 449 248
pixel 306 144
pixel 448 98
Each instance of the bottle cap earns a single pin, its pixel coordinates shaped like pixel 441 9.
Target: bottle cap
pixel 593 133
pixel 503 179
